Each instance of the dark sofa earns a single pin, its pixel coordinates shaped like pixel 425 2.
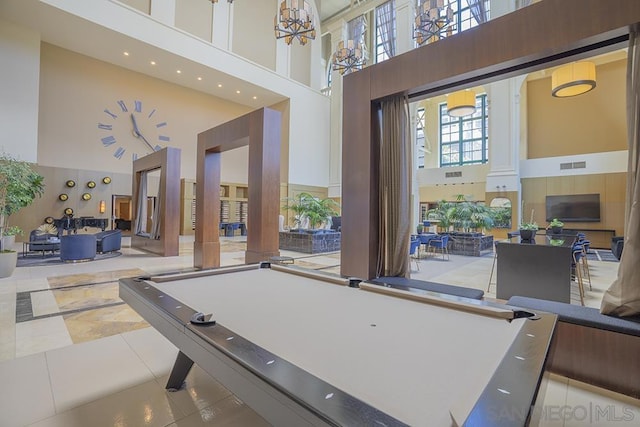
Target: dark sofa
pixel 617 245
pixel 108 241
pixel 43 242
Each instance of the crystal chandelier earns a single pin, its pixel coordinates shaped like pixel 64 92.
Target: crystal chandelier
pixel 348 58
pixel 431 19
pixel 294 20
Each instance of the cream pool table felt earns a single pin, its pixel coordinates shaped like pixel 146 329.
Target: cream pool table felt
pixel 304 348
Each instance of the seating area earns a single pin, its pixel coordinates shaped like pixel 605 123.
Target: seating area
pixel 72 247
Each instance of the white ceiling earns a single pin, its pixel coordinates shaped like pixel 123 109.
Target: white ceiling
pixel 73 33
pixel 329 8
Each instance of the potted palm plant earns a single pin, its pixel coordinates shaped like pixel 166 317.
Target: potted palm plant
pixel 19 185
pixel 311 212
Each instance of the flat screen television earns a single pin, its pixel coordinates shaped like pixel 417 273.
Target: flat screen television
pixel 574 208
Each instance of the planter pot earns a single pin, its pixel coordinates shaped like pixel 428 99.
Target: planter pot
pixel 556 230
pixel 8 242
pixel 8 261
pixel 310 243
pixel 527 234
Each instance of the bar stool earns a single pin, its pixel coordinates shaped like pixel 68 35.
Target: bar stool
pixel 578 254
pixel 586 244
pixel 493 265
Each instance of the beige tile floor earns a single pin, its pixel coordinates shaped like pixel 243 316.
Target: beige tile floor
pixel 86 359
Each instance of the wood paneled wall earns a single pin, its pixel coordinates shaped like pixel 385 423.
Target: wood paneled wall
pixel 612 190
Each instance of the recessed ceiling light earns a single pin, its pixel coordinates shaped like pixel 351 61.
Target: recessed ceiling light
pixel 126 53
pixel 178 71
pixel 153 62
pixel 199 78
pixel 237 91
pixel 219 84
pixel 255 97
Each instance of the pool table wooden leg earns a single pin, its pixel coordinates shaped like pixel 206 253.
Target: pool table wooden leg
pixel 181 368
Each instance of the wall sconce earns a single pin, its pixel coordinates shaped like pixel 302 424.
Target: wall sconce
pixel 103 206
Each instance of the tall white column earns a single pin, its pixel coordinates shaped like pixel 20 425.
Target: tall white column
pixel 405 14
pixel 20 90
pixel 164 11
pixel 222 24
pixel 338 32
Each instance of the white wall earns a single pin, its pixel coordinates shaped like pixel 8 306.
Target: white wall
pixel 19 85
pixel 597 163
pixel 75 91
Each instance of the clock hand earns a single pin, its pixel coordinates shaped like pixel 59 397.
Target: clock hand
pixel 136 131
pixel 137 134
pixel 146 142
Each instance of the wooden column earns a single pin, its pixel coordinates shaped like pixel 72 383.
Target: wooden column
pixel 260 130
pixel 167 161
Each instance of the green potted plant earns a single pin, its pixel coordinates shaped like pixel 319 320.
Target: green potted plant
pixel 311 209
pixel 528 230
pixel 420 228
pixel 19 185
pixel 556 226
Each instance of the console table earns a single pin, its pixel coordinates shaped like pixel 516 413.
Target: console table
pixel 540 268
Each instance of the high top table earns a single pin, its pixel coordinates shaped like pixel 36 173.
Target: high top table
pixel 539 268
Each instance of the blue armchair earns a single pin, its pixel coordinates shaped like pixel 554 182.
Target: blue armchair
pixel 77 247
pixel 108 241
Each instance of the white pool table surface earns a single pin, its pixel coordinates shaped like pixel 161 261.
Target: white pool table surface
pixel 416 362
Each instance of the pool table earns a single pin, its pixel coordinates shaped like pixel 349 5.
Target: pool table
pixel 305 348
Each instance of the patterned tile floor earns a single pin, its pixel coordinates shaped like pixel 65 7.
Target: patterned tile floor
pixel 64 329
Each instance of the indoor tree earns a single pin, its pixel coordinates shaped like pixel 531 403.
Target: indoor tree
pixel 19 186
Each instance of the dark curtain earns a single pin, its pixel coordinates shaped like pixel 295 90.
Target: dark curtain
pixel 395 188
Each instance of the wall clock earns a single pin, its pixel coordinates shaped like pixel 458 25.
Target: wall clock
pixel 130 129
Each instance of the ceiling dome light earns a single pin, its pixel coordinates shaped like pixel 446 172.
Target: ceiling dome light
pixel 461 103
pixel 573 79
